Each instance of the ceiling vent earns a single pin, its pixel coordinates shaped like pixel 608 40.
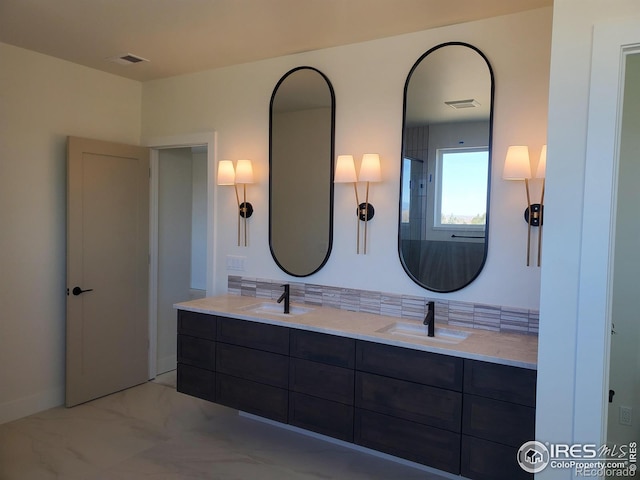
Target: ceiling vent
pixel 127 59
pixel 459 104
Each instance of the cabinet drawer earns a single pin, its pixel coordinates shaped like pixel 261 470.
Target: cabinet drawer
pixel 485 460
pixel 329 418
pixel 407 364
pixel 197 324
pixel 418 403
pixel 198 352
pixel 324 381
pixel 320 347
pixel 502 422
pixel 257 398
pixel 261 336
pixel 502 382
pixel 427 445
pixel 196 382
pixel 256 365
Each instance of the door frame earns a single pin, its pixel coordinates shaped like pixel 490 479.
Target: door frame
pixel 611 43
pixel 209 140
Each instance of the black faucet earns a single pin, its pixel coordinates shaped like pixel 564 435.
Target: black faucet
pixel 430 319
pixel 285 297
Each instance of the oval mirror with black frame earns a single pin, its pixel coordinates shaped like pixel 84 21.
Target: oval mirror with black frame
pixel 301 150
pixel 445 167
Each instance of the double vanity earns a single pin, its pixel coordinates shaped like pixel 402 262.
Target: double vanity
pixel 462 401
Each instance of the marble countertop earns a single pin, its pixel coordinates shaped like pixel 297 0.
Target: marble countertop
pixel 517 350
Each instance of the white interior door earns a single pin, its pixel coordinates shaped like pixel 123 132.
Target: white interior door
pixel 107 268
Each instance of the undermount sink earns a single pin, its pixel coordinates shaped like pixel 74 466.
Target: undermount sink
pixel 272 308
pixel 418 330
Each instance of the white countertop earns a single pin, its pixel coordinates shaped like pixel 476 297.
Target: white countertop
pixel 517 350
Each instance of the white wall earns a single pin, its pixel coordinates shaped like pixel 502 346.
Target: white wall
pixel 42 100
pixel 558 416
pixel 368 80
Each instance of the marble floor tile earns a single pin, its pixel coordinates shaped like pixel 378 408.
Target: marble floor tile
pixel 153 432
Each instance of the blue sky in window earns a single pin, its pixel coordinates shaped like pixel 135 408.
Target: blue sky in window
pixel 464 183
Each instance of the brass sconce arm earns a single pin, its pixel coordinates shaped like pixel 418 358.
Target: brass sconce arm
pixel 369 172
pixel 518 167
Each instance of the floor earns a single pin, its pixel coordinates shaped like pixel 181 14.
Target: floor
pixel 153 432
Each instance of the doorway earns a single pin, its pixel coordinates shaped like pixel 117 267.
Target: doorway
pixel 604 282
pixel 182 262
pixel 624 367
pixel 181 241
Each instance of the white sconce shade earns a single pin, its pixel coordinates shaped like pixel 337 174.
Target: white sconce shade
pixel 244 172
pixel 345 170
pixel 516 165
pixel 370 168
pixel 226 173
pixel 541 171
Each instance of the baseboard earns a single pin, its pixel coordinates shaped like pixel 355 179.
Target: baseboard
pixel 25 406
pixel 166 364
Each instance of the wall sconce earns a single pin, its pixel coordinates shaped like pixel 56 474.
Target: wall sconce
pixel 518 167
pixel 241 175
pixel 369 172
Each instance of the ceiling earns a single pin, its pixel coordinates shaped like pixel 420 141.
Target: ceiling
pixel 185 36
pixel 450 73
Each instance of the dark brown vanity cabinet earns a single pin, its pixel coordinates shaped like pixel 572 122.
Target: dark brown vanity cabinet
pixel 252 367
pixel 466 417
pixel 498 417
pixel 196 354
pixel 321 382
pixel 409 404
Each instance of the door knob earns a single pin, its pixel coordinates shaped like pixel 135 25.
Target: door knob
pixel 77 290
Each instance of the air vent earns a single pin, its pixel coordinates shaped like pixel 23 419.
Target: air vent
pixel 458 104
pixel 127 59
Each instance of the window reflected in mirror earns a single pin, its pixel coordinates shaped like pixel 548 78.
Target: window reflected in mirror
pixel 461 188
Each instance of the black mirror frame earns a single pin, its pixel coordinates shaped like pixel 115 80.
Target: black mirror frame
pixel 331 168
pixel 490 150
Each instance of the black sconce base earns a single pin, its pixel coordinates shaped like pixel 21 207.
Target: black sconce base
pixel 537 212
pixel 365 212
pixel 246 209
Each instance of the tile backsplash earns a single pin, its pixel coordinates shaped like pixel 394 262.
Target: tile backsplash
pixel 472 315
